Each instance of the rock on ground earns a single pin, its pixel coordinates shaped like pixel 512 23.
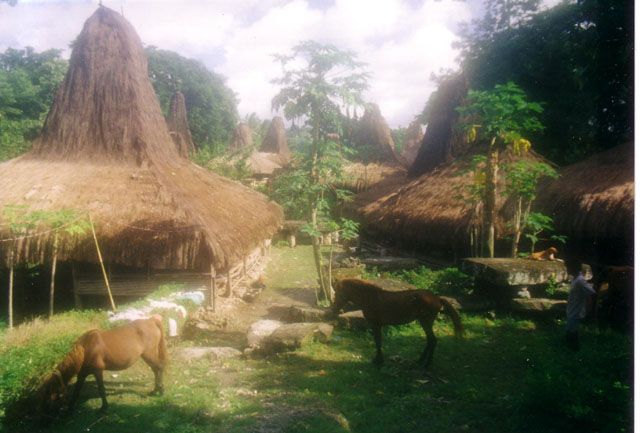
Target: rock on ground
pixel 260 330
pixel 210 353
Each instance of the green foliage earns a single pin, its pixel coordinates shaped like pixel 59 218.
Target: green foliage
pixel 577 56
pixel 537 224
pixel 501 113
pixel 522 178
pixel 399 135
pixel 211 106
pixel 28 85
pixel 447 281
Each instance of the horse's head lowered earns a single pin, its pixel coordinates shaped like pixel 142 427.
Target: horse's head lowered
pixel 51 395
pixel 341 297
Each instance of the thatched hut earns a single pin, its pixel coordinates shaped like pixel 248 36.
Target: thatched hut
pixel 276 140
pixel 441 142
pixel 411 144
pixel 105 150
pixel 373 133
pixel 179 125
pixel 592 204
pixel 241 138
pixel 428 213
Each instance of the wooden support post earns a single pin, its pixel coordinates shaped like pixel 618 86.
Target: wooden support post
pixel 229 289
pixel 213 292
pixel 104 272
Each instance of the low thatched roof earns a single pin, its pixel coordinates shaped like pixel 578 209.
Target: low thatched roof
pixel 264 164
pixel 593 204
pixel 362 177
pixel 106 150
pixel 425 211
pixel 179 125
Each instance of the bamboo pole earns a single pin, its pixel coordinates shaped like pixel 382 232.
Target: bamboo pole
pixel 53 274
pixel 213 292
pixel 104 272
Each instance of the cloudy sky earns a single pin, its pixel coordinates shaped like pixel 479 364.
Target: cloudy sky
pixel 402 41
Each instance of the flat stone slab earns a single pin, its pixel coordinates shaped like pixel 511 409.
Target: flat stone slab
pixel 353 320
pixel 538 305
pixel 515 272
pixel 260 330
pixel 210 353
pixel 300 313
pixel 390 263
pixel 290 337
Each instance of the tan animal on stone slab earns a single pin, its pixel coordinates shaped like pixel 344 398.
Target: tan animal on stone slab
pixel 546 255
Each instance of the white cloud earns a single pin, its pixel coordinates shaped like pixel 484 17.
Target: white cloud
pixel 402 45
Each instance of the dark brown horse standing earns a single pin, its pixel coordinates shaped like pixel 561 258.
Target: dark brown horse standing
pixel 98 350
pixel 382 307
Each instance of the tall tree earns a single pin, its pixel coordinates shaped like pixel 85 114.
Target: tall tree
pixel 578 57
pixel 211 105
pixel 28 84
pixel 318 79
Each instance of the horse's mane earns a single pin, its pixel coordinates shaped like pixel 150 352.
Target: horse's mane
pixel 71 364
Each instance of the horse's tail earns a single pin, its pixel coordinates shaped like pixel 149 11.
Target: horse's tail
pixel 448 309
pixel 163 356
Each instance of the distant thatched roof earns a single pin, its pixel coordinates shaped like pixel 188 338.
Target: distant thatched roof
pixel 362 177
pixel 411 144
pixel 440 143
pixel 276 140
pixel 105 149
pixel 179 125
pixel 425 211
pixel 263 164
pixel 241 138
pixel 593 203
pixel 373 130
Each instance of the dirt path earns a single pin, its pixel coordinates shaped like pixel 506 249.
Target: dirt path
pixel 290 277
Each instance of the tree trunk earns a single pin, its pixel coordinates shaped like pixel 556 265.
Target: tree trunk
pixel 11 289
pixel 490 200
pixel 53 274
pixel 517 219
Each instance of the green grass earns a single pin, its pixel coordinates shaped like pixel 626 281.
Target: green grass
pixel 507 374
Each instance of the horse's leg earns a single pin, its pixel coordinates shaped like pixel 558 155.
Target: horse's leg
pixel 158 369
pixel 82 375
pixel 377 337
pixel 101 390
pixel 427 354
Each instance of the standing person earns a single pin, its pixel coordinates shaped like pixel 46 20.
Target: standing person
pixel 579 297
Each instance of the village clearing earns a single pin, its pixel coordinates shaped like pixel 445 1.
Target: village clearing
pixel 508 374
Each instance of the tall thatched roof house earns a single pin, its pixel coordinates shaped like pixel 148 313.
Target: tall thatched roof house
pixel 441 142
pixel 592 203
pixel 373 131
pixel 411 144
pixel 106 150
pixel 179 125
pixel 276 140
pixel 241 138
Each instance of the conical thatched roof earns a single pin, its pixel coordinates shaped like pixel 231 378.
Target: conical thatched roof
pixel 179 125
pixel 105 149
pixel 425 212
pixel 364 176
pixel 412 143
pixel 241 138
pixel 441 143
pixel 373 131
pixel 276 140
pixel 592 203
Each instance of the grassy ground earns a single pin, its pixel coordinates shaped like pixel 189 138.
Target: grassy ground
pixel 506 375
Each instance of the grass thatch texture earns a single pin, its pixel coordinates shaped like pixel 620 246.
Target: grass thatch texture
pixel 276 140
pixel 105 149
pixel 362 177
pixel 241 138
pixel 179 125
pixel 593 200
pixel 426 211
pixel 441 142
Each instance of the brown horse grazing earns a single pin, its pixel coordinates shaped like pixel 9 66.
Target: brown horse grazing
pixel 98 350
pixel 381 307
